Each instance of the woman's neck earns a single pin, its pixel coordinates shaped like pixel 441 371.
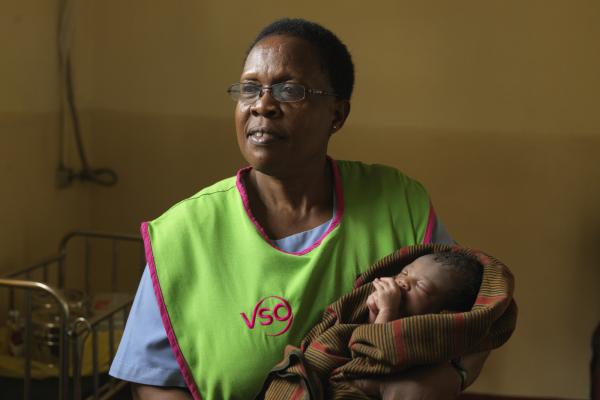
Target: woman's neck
pixel 291 204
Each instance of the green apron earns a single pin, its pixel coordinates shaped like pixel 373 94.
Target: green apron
pixel 231 301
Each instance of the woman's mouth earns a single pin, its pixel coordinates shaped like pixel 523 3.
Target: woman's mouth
pixel 262 137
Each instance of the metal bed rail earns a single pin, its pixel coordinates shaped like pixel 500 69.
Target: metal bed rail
pixel 59 260
pixel 84 328
pixel 73 332
pixel 28 287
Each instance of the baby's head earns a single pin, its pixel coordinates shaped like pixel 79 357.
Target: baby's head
pixel 441 281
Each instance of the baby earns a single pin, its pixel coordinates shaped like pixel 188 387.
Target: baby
pixel 430 284
pixel 342 347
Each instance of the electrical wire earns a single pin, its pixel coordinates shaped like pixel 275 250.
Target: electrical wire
pixel 61 45
pixel 100 176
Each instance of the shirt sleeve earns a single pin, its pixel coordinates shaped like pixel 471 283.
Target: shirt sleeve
pixel 144 354
pixel 437 232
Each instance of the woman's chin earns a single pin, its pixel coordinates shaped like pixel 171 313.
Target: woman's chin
pixel 277 171
pixel 268 164
pixel 277 163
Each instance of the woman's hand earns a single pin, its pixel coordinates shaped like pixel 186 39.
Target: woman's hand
pixel 384 302
pixel 437 382
pixel 147 392
pixel 425 383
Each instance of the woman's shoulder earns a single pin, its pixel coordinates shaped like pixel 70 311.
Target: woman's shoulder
pixel 217 188
pixel 215 194
pixel 362 171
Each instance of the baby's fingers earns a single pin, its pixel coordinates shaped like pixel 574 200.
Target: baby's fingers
pixel 378 284
pixel 389 283
pixel 372 302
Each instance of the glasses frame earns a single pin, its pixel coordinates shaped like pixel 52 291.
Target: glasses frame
pixel 236 95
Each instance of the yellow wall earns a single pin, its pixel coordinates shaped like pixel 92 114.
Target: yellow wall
pixel 34 214
pixel 492 105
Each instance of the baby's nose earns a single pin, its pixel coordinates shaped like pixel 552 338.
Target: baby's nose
pixel 404 283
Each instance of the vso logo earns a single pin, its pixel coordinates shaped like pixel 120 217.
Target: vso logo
pixel 271 310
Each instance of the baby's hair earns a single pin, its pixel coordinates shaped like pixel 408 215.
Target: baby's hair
pixel 469 272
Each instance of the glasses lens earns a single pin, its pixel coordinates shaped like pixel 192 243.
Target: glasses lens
pixel 234 91
pixel 282 92
pixel 249 92
pixel 244 91
pixel 288 92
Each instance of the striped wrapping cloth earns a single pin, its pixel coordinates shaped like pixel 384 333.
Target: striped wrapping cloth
pixel 343 346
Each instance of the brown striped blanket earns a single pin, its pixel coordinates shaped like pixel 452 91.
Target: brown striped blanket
pixel 343 346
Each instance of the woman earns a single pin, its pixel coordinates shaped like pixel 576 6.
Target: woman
pixel 247 265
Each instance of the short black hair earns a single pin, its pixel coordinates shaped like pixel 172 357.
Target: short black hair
pixel 462 296
pixel 336 60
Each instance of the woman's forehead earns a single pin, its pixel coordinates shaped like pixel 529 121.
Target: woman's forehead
pixel 283 55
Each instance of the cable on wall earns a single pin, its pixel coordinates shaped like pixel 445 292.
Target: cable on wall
pixel 65 175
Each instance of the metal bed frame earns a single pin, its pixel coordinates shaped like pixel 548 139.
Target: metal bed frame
pixel 73 334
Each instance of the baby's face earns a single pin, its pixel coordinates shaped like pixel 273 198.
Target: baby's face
pixel 425 285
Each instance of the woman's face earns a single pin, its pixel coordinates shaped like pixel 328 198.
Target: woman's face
pixel 282 139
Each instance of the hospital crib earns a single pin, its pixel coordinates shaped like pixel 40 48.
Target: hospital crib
pixel 67 355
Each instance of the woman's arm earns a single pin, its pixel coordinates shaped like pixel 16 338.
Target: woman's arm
pixel 473 364
pixel 147 392
pixel 144 354
pixel 440 381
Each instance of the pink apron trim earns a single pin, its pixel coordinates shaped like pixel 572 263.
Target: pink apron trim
pixel 431 222
pixel 339 198
pixel 183 366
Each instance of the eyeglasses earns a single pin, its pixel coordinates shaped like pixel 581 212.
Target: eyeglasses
pixel 284 92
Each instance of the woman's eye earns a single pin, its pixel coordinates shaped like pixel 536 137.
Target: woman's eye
pixel 290 90
pixel 250 89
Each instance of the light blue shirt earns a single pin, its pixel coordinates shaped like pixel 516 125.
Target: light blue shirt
pixel 145 356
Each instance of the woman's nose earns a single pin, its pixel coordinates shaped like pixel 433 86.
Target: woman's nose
pixel 265 105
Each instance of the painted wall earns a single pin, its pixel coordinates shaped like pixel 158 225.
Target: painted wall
pixel 35 214
pixel 492 105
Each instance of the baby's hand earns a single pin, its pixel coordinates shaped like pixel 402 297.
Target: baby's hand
pixel 372 305
pixel 384 303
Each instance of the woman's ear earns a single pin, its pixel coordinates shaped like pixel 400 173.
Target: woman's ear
pixel 340 114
